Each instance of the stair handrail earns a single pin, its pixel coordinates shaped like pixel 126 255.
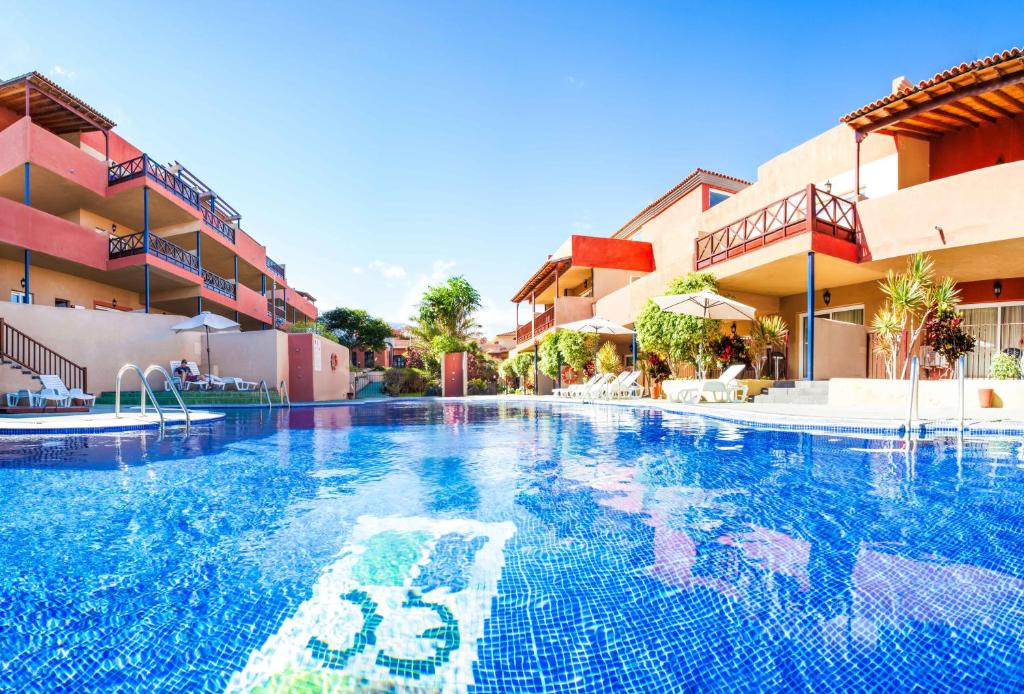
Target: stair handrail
pixel 173 388
pixel 142 394
pixel 46 360
pixel 282 389
pixel 262 388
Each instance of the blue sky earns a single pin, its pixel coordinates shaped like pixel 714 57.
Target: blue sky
pixel 376 147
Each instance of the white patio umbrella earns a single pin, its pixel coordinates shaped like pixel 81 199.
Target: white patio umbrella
pixel 705 305
pixel 208 322
pixel 596 325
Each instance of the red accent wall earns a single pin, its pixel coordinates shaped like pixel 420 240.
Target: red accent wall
pixel 120 149
pixel 300 367
pixel 980 292
pixel 7 117
pixel 612 254
pixel 976 148
pixel 454 378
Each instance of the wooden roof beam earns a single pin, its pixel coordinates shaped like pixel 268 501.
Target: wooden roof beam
pixel 1009 98
pixel 913 130
pixel 954 116
pixel 935 123
pixel 995 107
pixel 972 111
pixel 1006 80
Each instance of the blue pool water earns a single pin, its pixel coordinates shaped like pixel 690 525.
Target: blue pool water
pixel 507 547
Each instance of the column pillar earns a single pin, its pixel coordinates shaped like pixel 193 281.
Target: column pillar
pixel 199 304
pixel 236 282
pixel 28 203
pixel 809 358
pixel 536 371
pixel 145 232
pixel 199 251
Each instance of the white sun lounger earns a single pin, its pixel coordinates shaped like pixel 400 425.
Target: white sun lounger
pixel 568 390
pixel 593 390
pixel 725 386
pixel 54 390
pixel 626 387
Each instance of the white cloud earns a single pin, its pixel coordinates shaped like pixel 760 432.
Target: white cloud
pixel 387 270
pixel 440 270
pixel 58 71
pixel 496 317
pixel 574 81
pixel 356 270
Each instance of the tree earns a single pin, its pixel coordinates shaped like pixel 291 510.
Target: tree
pixel 768 332
pixel 445 320
pixel 675 336
pixel 548 354
pixel 356 328
pixel 607 359
pixel 915 296
pixel 520 366
pixel 577 348
pixel 888 328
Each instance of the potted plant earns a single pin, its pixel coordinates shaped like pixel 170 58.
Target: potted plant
pixel 1004 368
pixel 767 332
pixel 656 369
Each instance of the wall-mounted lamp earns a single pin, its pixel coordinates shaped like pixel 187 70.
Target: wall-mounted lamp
pixel 733 328
pixel 828 186
pixel 113 302
pixel 22 282
pixel 997 288
pixel 827 296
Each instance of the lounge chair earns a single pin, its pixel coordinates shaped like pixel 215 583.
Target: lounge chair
pixel 610 387
pixel 725 385
pixel 595 389
pixel 569 390
pixel 54 390
pixel 222 383
pixel 626 387
pixel 15 397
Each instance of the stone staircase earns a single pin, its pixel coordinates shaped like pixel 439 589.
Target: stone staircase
pixel 795 393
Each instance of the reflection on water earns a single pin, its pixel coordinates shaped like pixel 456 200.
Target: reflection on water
pixel 645 551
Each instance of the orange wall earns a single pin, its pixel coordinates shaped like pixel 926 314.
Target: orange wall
pixel 981 292
pixel 120 149
pixel 615 254
pixel 974 148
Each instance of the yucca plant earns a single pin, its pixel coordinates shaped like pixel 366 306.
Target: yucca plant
pixel 607 359
pixel 766 333
pixel 914 297
pixel 887 326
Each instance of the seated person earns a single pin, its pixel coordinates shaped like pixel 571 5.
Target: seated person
pixel 183 373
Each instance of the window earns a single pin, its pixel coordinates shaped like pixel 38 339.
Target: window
pixel 62 303
pixel 717 196
pixel 995 329
pixel 398 361
pixel 18 297
pixel 354 357
pixel 368 359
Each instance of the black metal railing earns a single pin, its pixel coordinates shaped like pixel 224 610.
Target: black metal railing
pixel 36 357
pixel 135 244
pixel 224 287
pixel 180 188
pixel 275 268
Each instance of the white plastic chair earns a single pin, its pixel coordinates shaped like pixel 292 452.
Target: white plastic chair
pixel 54 390
pixel 568 390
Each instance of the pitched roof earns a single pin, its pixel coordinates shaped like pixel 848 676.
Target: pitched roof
pixel 1001 75
pixel 678 191
pixel 77 116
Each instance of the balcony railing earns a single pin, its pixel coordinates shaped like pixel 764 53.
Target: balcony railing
pixel 275 268
pixel 810 209
pixel 135 244
pixel 543 321
pixel 144 166
pixel 224 287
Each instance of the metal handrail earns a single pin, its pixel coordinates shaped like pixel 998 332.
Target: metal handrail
pixel 173 389
pixel 961 367
pixel 142 394
pixel 912 412
pixel 283 392
pixel 263 389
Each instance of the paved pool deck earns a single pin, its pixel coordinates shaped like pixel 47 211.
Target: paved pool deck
pixel 100 419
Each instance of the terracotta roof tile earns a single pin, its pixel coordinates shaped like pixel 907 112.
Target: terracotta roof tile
pixel 955 71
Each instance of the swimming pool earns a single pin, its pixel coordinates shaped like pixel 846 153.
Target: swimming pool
pixel 507 547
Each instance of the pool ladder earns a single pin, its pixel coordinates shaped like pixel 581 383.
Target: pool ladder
pixel 145 389
pixel 282 390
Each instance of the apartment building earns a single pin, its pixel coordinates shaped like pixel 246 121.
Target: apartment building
pixel 936 166
pixel 89 220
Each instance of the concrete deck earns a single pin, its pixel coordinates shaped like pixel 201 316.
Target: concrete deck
pixel 97 421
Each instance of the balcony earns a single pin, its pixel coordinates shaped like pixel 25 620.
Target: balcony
pixel 144 166
pixel 275 268
pixel 810 209
pixel 218 284
pixel 135 244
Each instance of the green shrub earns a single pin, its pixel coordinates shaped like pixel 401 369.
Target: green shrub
pixel 1005 367
pixel 607 359
pixel 403 381
pixel 315 327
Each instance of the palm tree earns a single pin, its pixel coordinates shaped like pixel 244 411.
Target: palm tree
pixel 766 333
pixel 888 329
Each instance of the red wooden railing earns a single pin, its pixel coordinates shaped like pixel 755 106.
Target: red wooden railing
pixel 810 209
pixel 543 321
pixel 34 356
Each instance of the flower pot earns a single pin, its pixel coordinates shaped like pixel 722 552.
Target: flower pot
pixel 985 397
pixel 656 391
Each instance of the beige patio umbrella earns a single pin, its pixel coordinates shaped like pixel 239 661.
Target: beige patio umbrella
pixel 207 322
pixel 596 325
pixel 706 305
